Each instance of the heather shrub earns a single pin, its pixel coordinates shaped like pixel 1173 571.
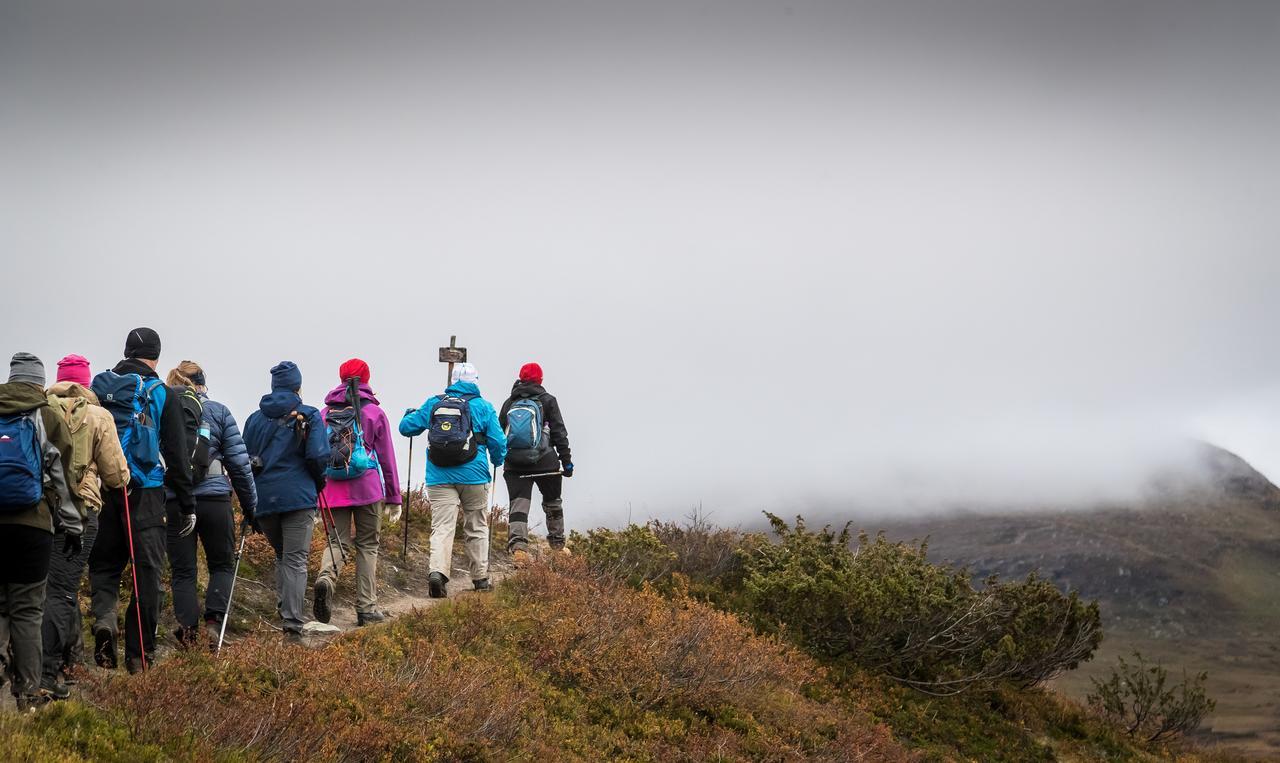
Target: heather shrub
pixel 561 664
pixel 885 607
pixel 1139 699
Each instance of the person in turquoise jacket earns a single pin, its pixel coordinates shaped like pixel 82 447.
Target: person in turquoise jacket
pixel 464 485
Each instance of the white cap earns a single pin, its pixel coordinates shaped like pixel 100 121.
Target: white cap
pixel 465 372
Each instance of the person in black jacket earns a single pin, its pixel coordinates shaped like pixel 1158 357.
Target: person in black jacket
pixel 542 465
pixel 147 514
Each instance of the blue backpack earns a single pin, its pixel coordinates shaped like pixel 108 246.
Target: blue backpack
pixel 526 433
pixel 450 441
pixel 21 465
pixel 135 405
pixel 349 457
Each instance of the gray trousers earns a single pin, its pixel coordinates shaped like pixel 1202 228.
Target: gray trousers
pixel 21 606
pixel 63 627
pixel 290 535
pixel 368 521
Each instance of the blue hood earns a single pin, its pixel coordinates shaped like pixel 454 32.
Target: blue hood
pixel 460 388
pixel 278 403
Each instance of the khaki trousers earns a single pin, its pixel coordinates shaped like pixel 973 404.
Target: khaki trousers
pixel 368 523
pixel 474 502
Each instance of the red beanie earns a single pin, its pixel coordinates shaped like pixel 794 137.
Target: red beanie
pixel 74 368
pixel 531 373
pixel 354 367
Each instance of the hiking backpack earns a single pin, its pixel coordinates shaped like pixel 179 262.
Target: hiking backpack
pixel 21 463
pixel 75 412
pixel 526 433
pixel 450 440
pixel 135 405
pixel 193 406
pixel 349 456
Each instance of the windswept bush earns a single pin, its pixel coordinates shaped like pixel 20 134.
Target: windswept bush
pixel 887 608
pixel 1139 699
pixel 560 664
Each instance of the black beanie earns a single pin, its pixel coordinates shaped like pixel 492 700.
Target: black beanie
pixel 142 343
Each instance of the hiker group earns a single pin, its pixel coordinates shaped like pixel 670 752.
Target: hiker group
pixel 125 471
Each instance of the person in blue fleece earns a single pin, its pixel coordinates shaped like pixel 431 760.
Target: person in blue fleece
pixel 463 484
pixel 289 450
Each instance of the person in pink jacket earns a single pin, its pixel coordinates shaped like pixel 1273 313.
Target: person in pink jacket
pixel 358 485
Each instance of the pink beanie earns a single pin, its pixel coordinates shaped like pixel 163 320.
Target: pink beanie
pixel 74 368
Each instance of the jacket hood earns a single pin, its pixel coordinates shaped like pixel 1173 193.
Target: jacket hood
pixel 279 402
pixel 72 389
pixel 20 397
pixel 135 366
pixel 463 388
pixel 527 389
pixel 338 395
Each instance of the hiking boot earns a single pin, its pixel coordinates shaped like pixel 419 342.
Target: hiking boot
pixel 320 600
pixel 482 585
pixel 436 585
pixel 293 636
pixel 28 703
pixel 104 648
pixel 520 558
pixel 53 688
pixel 133 665
pixel 370 618
pixel 212 629
pixel 187 638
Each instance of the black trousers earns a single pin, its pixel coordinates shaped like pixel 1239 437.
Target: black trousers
pixel 520 491
pixel 63 627
pixel 110 556
pixel 216 531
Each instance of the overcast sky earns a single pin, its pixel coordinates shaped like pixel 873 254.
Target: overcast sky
pixel 869 257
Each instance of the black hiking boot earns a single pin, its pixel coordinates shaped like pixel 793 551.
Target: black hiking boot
pixel 320 600
pixel 482 585
pixel 104 648
pixel 293 636
pixel 27 703
pixel 53 688
pixel 370 618
pixel 187 638
pixel 436 585
pixel 133 665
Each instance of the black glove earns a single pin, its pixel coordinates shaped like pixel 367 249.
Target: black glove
pixel 249 523
pixel 567 470
pixel 72 545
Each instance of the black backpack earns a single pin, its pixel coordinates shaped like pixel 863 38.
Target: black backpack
pixel 201 459
pixel 450 439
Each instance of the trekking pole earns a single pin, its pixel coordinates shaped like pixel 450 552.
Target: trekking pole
pixel 133 568
pixel 408 500
pixel 331 532
pixel 222 632
pixel 543 474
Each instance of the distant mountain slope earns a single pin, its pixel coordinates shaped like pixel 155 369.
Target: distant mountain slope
pixel 1191 574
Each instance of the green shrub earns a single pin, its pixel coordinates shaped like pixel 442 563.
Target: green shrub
pixel 634 555
pixel 887 608
pixel 1139 699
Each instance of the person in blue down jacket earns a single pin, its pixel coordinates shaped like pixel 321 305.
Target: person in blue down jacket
pixel 465 485
pixel 289 451
pixel 215 525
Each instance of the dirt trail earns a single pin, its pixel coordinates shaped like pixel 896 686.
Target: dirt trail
pixel 396 601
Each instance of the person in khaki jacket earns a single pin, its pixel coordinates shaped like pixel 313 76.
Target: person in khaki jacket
pixel 35 499
pixel 96 460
